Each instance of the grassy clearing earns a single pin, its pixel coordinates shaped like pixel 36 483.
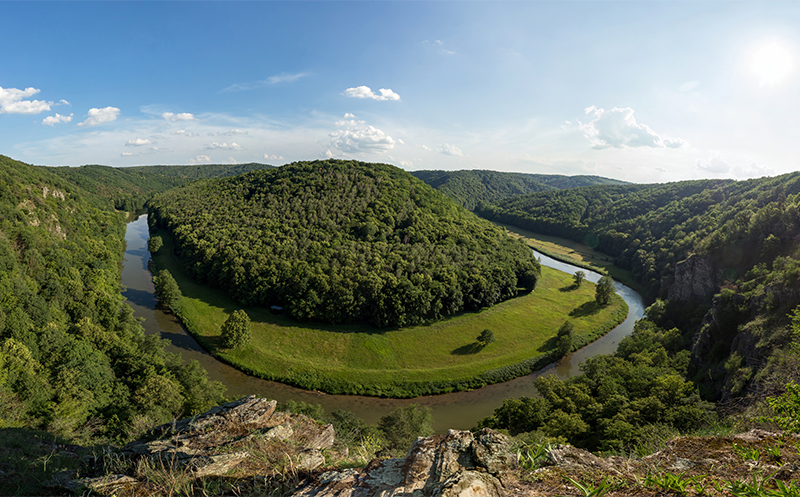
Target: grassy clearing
pixel 575 253
pixel 435 358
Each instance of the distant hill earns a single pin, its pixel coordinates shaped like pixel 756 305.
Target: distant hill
pixel 128 188
pixel 340 241
pixel 471 187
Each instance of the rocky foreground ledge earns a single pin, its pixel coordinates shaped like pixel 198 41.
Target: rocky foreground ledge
pixel 246 447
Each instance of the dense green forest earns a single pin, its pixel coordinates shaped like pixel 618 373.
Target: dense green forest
pixel 129 188
pixel 343 241
pixel 73 358
pixel 722 255
pixel 471 187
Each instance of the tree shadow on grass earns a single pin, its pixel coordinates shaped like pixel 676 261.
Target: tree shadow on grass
pixel 468 349
pixel 586 309
pixel 569 288
pixel 549 345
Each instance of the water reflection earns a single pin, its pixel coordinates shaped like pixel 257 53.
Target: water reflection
pixel 459 410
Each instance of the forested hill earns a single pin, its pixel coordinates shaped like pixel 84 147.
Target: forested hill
pixel 686 242
pixel 650 228
pixel 70 352
pixel 471 187
pixel 128 188
pixel 341 241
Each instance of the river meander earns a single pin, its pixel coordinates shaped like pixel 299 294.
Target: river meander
pixel 460 410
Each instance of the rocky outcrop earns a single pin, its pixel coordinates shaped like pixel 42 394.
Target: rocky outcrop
pixel 695 277
pixel 458 464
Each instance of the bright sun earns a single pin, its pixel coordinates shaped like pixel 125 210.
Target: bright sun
pixel 771 63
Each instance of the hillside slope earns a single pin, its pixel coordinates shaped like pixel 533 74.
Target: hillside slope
pixel 71 352
pixel 723 253
pixel 471 187
pixel 341 241
pixel 128 188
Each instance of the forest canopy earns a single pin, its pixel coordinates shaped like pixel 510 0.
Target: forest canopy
pixel 343 241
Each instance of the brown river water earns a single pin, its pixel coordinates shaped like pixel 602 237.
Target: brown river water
pixel 460 410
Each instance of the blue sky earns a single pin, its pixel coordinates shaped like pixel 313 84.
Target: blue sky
pixel 640 91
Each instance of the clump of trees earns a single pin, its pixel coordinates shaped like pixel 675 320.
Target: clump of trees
pixel 619 398
pixel 566 336
pixel 343 241
pixel 486 337
pixel 604 290
pixel 154 243
pixel 235 332
pixel 167 290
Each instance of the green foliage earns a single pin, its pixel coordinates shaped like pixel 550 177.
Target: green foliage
pixel 154 243
pixel 579 277
pixel 403 425
pixel 486 337
pixel 604 290
pixel 129 188
pixel 236 330
pixel 343 241
pixel 167 290
pixel 566 337
pixel 787 409
pixel 472 187
pixel 616 400
pixel 71 353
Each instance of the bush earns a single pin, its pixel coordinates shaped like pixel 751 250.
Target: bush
pixel 167 290
pixel 236 330
pixel 154 243
pixel 403 425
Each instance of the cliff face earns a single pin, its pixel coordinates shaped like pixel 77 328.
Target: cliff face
pixel 694 278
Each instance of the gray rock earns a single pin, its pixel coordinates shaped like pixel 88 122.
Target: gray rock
pixel 458 464
pixel 572 458
pixel 694 278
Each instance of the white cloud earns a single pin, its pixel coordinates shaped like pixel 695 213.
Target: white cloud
pixel 232 132
pixel 327 154
pixel 58 118
pixel 349 116
pixel 183 132
pixel 405 163
pixel 12 101
pixel 100 116
pixel 425 147
pixel 689 86
pixel 272 80
pixel 366 92
pixel 224 146
pixel 138 142
pixel 273 157
pixel 438 44
pixel 359 137
pixel 200 158
pixel 618 128
pixel 448 149
pixel 184 116
pixel 126 154
pixel 715 163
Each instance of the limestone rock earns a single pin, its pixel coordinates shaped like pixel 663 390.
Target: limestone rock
pixel 457 464
pixel 694 278
pixel 216 441
pixel 572 458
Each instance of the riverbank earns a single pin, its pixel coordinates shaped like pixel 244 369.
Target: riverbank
pixel 422 360
pixel 577 254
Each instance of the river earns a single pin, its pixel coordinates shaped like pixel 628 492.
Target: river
pixel 460 410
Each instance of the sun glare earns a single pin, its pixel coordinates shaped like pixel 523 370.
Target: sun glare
pixel 772 63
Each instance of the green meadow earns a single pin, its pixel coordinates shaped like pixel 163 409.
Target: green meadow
pixel 406 362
